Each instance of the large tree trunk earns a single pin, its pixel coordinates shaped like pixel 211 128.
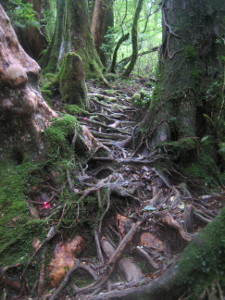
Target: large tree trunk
pixel 191 71
pixel 23 112
pixel 72 34
pixel 102 19
pixel 49 60
pixel 72 48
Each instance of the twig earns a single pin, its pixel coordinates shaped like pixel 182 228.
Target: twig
pixel 69 180
pixel 147 256
pixel 98 247
pixel 42 274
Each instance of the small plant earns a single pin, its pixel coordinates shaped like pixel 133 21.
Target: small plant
pixel 142 99
pixel 21 14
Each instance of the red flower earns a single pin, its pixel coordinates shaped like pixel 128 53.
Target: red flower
pixel 45 205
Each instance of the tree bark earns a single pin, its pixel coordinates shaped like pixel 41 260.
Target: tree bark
pixel 72 34
pixel 23 112
pixel 190 65
pixel 102 19
pixel 134 35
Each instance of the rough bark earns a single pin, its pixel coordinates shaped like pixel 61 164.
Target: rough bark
pixel 191 64
pixel 134 35
pixel 102 19
pixel 24 113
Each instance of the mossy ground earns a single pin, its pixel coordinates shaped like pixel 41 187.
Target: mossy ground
pixel 21 183
pixel 17 227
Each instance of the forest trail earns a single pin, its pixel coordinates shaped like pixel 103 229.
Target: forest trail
pixel 145 220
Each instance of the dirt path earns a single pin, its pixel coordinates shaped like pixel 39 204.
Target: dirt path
pixel 145 220
pixel 141 219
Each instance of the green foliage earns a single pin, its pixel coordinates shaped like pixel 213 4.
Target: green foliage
pixel 142 99
pixel 21 14
pixel 109 41
pixel 205 168
pixel 213 90
pixel 149 28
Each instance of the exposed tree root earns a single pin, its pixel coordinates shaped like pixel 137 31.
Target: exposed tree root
pixel 135 210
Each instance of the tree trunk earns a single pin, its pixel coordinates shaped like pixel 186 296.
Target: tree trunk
pixel 119 43
pixel 191 65
pixel 49 60
pixel 72 34
pixel 72 48
pixel 134 35
pixel 102 19
pixel 23 112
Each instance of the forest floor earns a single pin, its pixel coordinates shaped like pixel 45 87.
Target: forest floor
pixel 141 217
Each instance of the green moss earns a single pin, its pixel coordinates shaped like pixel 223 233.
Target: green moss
pixel 190 53
pixel 185 144
pixel 57 135
pixel 17 228
pixel 205 169
pixel 196 74
pixel 75 110
pixel 71 80
pixel 203 260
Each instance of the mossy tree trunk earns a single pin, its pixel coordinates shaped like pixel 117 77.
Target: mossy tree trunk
pixel 73 43
pixel 49 60
pixel 72 34
pixel 134 36
pixel 191 72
